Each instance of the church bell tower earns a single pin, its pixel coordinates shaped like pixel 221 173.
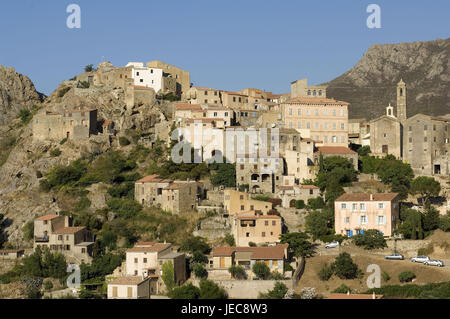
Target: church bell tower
pixel 401 101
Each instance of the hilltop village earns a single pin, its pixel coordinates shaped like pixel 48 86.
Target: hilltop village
pixel 249 194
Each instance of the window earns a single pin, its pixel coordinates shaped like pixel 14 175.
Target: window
pixel 299 112
pixel 325 139
pixel 334 126
pixel 346 220
pixel 380 205
pixel 354 206
pixel 241 197
pixel 425 127
pixel 362 220
pixel 247 234
pixel 381 220
pixel 334 139
pixel 362 207
pixel 343 206
pixel 135 260
pixel 308 125
pixel 342 126
pixel 290 111
pixel 274 223
pixel 60 237
pixel 242 207
pixel 266 223
pixel 145 260
pixel 263 234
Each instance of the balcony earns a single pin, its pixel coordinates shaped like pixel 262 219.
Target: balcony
pixel 43 239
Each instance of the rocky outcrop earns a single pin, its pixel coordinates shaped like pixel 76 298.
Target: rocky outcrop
pixel 371 84
pixel 16 92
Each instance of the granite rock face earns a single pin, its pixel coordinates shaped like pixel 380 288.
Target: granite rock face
pixel 371 84
pixel 16 92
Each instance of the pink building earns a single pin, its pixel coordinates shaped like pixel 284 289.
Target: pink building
pixel 356 213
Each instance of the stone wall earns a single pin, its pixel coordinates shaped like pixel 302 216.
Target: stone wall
pixel 247 289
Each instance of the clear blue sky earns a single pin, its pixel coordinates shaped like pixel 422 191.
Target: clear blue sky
pixel 224 44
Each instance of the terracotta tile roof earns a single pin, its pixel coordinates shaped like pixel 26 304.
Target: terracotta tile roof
pixel 127 280
pixel 69 230
pixel 153 179
pixel 285 187
pixel 275 252
pixel 204 88
pixel 234 93
pixel 187 106
pixel 144 243
pixel 363 197
pixel 315 100
pixel 354 296
pixel 149 249
pixel 334 150
pixel 47 217
pixel 307 186
pixel 253 216
pixel 204 119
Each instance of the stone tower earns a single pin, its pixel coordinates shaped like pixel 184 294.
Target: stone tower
pixel 401 101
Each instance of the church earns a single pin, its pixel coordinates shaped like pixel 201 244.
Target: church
pixel 421 140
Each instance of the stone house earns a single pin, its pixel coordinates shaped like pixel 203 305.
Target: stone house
pixel 151 77
pixel 237 202
pixel 146 259
pixel 174 196
pixel 386 135
pixel 204 95
pixel 11 253
pixel 263 173
pixel 355 213
pixel 300 88
pixel 290 194
pixel 129 287
pixel 73 124
pixel 327 151
pixel 56 233
pixel 256 227
pixel 426 142
pixel 182 77
pixel 320 119
pixel 224 257
pixel 358 132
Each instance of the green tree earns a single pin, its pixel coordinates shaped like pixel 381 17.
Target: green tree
pixel 299 244
pixel 344 267
pixel 210 290
pixel 237 272
pixel 317 222
pixel 199 270
pixel 89 68
pixel 278 292
pixel 406 276
pixel 431 218
pixel 168 276
pixel 411 226
pixel 444 222
pixel 370 239
pixel 325 272
pixel 261 270
pixel 229 240
pixel 193 243
pixel 28 230
pixel 364 150
pixel 25 116
pixel 225 175
pixel 187 291
pixel 426 187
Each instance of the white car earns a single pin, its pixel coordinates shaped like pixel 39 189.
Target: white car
pixel 395 256
pixel 332 244
pixel 420 259
pixel 434 262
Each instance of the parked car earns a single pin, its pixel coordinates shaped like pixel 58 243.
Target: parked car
pixel 434 262
pixel 395 257
pixel 333 244
pixel 420 259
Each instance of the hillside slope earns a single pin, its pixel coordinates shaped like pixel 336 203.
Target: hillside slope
pixel 371 84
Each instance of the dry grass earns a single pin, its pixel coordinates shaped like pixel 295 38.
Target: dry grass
pixel 424 274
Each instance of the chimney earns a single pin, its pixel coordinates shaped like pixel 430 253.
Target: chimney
pixel 348 292
pixel 371 196
pixel 373 295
